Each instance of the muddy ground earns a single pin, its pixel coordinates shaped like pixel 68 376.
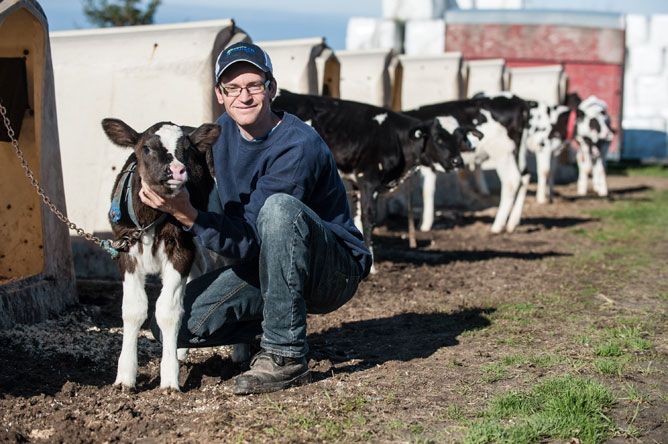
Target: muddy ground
pixel 411 358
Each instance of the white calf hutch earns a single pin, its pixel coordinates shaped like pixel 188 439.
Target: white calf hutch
pixel 36 272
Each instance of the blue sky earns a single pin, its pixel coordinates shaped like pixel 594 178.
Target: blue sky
pixel 262 19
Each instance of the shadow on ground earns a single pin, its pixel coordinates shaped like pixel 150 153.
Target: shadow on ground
pixel 402 337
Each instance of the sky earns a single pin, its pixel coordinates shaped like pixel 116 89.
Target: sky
pixel 262 19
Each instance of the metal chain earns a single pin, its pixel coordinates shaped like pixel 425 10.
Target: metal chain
pixel 111 247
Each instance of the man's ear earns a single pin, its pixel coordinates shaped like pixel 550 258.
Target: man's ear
pixel 219 94
pixel 273 88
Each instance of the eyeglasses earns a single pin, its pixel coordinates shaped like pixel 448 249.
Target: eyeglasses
pixel 254 88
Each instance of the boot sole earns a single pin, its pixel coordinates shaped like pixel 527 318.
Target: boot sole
pixel 269 387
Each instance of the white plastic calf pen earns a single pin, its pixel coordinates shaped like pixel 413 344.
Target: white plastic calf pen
pixel 304 66
pixel 546 84
pixel 368 76
pixel 430 79
pixel 486 76
pixel 36 272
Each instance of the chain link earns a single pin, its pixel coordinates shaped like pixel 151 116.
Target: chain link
pixel 120 244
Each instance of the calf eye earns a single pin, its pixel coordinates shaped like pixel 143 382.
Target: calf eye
pixel 147 149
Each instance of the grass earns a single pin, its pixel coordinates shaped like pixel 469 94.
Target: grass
pixel 636 170
pixel 561 407
pixel 630 235
pixel 609 366
pixel 535 360
pixel 493 372
pixel 633 218
pixel 641 221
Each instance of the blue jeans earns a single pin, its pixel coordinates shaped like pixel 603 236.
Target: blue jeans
pixel 301 268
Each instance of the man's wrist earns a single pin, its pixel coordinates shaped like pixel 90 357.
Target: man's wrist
pixel 186 217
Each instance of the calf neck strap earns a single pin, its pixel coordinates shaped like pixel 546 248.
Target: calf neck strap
pixel 570 126
pixel 122 199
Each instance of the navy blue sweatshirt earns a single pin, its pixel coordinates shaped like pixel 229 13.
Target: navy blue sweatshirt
pixel 294 160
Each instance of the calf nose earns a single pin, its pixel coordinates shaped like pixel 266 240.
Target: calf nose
pixel 457 162
pixel 177 172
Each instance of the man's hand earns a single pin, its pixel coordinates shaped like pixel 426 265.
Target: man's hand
pixel 178 206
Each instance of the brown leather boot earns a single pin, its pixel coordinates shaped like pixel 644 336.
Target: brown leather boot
pixel 269 373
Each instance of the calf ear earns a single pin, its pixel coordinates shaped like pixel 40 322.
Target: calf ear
pixel 461 134
pixel 120 133
pixel 205 136
pixel 419 132
pixel 572 100
pixel 474 131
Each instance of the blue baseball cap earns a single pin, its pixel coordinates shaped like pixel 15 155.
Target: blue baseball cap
pixel 243 52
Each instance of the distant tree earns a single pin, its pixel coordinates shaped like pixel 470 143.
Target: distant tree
pixel 104 13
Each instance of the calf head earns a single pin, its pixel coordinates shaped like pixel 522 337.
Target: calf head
pixel 440 147
pixel 167 154
pixel 594 121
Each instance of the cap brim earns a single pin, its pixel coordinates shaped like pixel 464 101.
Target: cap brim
pixel 236 61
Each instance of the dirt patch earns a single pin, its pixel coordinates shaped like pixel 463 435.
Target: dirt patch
pixel 422 348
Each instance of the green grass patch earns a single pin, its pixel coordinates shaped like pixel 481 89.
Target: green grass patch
pixel 610 366
pixel 516 312
pixel 642 221
pixel 562 407
pixel 541 361
pixel 637 218
pixel 630 338
pixel 493 372
pixel 610 348
pixel 621 169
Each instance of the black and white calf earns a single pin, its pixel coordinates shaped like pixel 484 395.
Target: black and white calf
pixel 375 148
pixel 550 129
pixel 593 135
pixel 166 157
pixel 501 121
pixel 583 125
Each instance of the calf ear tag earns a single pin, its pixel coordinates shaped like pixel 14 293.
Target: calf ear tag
pixel 418 133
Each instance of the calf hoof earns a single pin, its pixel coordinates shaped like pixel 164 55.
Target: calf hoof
pixel 125 388
pixel 171 391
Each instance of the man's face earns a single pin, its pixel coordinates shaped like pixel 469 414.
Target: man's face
pixel 248 110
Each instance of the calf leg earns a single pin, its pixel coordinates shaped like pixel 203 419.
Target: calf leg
pixel 428 191
pixel 135 309
pixel 599 179
pixel 543 165
pixel 584 168
pixel 554 164
pixel 168 314
pixel 368 204
pixel 516 213
pixel 509 176
pixel 480 181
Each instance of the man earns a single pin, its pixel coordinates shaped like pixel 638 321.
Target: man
pixel 284 217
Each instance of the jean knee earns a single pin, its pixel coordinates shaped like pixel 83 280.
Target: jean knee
pixel 278 214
